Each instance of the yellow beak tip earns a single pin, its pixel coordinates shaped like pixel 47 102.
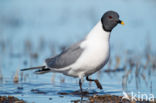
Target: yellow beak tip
pixel 122 23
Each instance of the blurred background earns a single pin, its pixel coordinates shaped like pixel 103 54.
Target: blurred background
pixel 32 30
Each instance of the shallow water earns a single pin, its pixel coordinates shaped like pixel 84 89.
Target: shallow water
pixel 32 31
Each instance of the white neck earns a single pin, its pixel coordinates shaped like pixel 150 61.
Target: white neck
pixel 98 33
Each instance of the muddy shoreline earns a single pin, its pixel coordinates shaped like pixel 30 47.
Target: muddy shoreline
pixel 91 99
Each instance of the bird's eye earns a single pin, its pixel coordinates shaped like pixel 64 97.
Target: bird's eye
pixel 110 17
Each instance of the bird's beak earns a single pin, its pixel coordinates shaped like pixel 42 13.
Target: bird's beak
pixel 121 22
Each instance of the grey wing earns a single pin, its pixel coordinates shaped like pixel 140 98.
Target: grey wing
pixel 66 58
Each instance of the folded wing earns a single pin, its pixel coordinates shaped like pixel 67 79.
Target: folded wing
pixel 66 58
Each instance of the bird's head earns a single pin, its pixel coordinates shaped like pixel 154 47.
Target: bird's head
pixel 110 19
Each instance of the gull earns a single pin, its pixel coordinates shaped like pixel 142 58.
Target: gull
pixel 87 56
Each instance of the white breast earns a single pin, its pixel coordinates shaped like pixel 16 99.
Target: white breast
pixel 96 52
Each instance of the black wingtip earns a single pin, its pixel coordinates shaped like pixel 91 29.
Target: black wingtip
pixel 42 71
pixel 25 69
pixel 31 68
pixel 22 69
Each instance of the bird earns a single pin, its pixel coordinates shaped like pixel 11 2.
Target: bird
pixel 87 56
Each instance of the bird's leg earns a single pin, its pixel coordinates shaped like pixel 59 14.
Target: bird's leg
pixel 80 84
pixel 96 81
pixel 81 80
